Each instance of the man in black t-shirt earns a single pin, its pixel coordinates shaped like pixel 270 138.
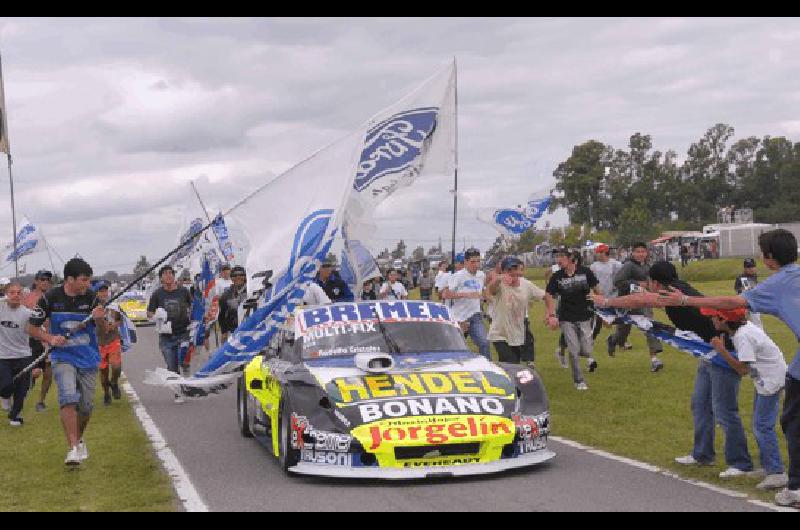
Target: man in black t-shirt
pixel 716 389
pixel 171 306
pixel 573 283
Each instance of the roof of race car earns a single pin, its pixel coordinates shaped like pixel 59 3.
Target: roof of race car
pixel 385 310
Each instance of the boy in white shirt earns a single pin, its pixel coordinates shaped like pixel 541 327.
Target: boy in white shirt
pixel 465 289
pixel 393 289
pixel 760 358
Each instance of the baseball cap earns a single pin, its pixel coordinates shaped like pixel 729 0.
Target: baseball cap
pixel 43 275
pixel 238 271
pixel 460 257
pixel 749 263
pixel 602 247
pixel 509 263
pixel 731 315
pixel 100 284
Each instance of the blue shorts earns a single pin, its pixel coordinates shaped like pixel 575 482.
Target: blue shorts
pixel 75 386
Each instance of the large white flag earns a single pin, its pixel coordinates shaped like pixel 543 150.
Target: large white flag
pixel 415 136
pixel 516 221
pixel 28 242
pixel 4 145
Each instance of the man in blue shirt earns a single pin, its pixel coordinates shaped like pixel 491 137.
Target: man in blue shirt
pixel 75 359
pixel 778 295
pixel 332 283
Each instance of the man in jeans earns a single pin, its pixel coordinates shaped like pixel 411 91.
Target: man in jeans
pixel 573 283
pixel 778 295
pixel 171 307
pixel 465 289
pixel 75 359
pixel 633 277
pixel 425 285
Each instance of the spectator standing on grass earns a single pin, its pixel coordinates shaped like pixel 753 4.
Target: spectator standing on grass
pixel 425 285
pixel 746 281
pixel 170 305
pixel 604 268
pixel 392 288
pixel 759 357
pixel 716 389
pixel 465 290
pixel 15 353
pixel 633 277
pixel 778 295
pixel 510 326
pixel 75 360
pixel 110 345
pixel 573 283
pixel 43 282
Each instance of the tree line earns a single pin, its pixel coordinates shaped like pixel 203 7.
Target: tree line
pixel 635 193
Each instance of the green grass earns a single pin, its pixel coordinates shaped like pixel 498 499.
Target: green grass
pixel 121 474
pixel 632 412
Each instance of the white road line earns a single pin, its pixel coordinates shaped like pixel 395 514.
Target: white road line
pixel 653 469
pixel 180 479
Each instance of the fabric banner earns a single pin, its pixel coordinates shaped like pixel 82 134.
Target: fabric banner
pixel 357 172
pixel 685 341
pixel 221 231
pixel 516 221
pixel 28 237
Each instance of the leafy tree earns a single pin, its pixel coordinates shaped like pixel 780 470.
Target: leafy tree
pixel 579 181
pixel 636 224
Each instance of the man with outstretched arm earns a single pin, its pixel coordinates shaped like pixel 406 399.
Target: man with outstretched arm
pixel 75 359
pixel 778 295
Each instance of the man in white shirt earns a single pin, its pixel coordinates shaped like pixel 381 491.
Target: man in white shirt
pixel 442 276
pixel 223 281
pixel 604 267
pixel 393 289
pixel 465 289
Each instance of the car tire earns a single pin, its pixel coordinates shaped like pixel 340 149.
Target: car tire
pixel 242 415
pixel 287 456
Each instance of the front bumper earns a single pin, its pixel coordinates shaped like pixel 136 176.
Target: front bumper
pixel 391 473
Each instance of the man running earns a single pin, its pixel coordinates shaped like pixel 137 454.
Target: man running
pixel 15 353
pixel 465 289
pixel 43 282
pixel 75 359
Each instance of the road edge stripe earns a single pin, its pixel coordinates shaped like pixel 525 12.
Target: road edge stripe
pixel 668 473
pixel 188 495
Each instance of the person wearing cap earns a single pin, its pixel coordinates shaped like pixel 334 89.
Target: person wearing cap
pixel 760 358
pixel 465 289
pixel 332 283
pixel 633 277
pixel 171 305
pixel 230 301
pixel 42 283
pixel 778 295
pixel 604 267
pixel 510 327
pixel 746 281
pixel 110 345
pixel 573 283
pixel 715 398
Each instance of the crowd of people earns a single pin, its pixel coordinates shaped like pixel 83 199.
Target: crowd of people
pixel 80 332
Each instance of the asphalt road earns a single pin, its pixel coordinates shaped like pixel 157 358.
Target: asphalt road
pixel 232 473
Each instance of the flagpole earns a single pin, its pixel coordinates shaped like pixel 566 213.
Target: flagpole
pixel 455 169
pixel 13 218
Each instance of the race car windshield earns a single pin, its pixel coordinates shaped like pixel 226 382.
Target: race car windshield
pixel 365 336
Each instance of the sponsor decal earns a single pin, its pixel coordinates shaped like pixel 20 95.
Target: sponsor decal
pixel 527 427
pixel 342 418
pixel 531 446
pixel 326 457
pixel 429 407
pixel 395 311
pixel 345 350
pixel 451 461
pixel 366 388
pixel 433 430
pixel 524 377
pixel 321 440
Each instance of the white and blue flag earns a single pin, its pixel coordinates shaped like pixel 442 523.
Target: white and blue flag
pixel 28 241
pixel 516 221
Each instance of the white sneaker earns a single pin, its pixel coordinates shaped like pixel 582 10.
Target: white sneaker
pixel 73 457
pixel 775 481
pixel 83 452
pixel 788 497
pixel 689 460
pixel 581 386
pixel 733 472
pixel 179 399
pixel 5 404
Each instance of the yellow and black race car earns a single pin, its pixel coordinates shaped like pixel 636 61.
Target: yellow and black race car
pixel 390 390
pixel 134 304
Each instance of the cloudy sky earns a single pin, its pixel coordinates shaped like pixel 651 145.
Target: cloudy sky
pixel 109 119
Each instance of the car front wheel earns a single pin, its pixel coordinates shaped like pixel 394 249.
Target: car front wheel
pixel 287 455
pixel 243 416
